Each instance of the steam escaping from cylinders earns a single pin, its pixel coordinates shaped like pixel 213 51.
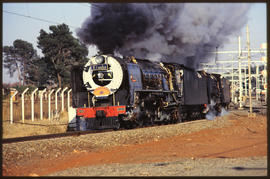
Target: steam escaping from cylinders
pixel 223 112
pixel 178 32
pixel 212 113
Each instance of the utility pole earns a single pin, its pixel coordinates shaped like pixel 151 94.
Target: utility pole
pixel 246 70
pixel 265 79
pixel 249 73
pixel 240 74
pixel 232 87
pixel 245 85
pixel 257 82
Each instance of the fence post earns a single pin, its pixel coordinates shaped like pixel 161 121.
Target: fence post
pixel 41 107
pixel 32 104
pixel 11 107
pixel 62 96
pixel 68 100
pixel 49 105
pixel 56 98
pixel 23 103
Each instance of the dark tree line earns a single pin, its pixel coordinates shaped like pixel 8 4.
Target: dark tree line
pixel 60 51
pixel 20 57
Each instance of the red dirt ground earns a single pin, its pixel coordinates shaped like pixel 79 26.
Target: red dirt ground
pixel 245 138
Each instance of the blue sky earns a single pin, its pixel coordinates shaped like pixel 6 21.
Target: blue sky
pixel 73 14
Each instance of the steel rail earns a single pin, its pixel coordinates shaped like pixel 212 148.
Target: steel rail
pixel 50 136
pixel 78 133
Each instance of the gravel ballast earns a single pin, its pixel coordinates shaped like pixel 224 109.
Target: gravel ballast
pixel 151 151
pixel 252 166
pixel 23 152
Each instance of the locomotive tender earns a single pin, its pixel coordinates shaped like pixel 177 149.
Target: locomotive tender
pixel 113 92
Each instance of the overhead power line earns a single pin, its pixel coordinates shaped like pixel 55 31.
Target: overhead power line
pixel 36 18
pixel 92 6
pixel 95 6
pixel 84 5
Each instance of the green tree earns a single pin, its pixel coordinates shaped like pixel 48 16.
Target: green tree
pixel 61 50
pixel 19 57
pixel 40 72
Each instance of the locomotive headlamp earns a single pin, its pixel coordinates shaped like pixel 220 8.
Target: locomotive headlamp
pixel 99 59
pixel 100 75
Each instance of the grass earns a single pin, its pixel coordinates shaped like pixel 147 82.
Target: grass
pixel 37 127
pixel 17 109
pixel 29 127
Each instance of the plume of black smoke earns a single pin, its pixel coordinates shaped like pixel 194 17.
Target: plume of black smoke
pixel 176 32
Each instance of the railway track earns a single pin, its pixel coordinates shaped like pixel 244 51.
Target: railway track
pixel 51 136
pixel 78 133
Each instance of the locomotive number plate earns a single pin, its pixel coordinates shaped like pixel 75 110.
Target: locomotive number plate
pixel 99 67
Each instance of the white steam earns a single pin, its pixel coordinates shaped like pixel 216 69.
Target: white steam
pixel 212 113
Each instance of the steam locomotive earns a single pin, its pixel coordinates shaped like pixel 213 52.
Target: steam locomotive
pixel 110 92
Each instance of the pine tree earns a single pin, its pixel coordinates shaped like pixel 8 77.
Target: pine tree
pixel 19 58
pixel 61 50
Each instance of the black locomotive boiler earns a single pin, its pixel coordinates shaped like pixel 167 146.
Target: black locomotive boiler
pixel 113 92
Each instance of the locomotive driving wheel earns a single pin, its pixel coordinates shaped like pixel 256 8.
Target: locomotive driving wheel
pixel 117 125
pixel 177 115
pixel 138 121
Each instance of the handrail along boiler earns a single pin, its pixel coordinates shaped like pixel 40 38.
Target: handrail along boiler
pixel 113 92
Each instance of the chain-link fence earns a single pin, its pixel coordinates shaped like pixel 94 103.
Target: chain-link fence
pixel 17 107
